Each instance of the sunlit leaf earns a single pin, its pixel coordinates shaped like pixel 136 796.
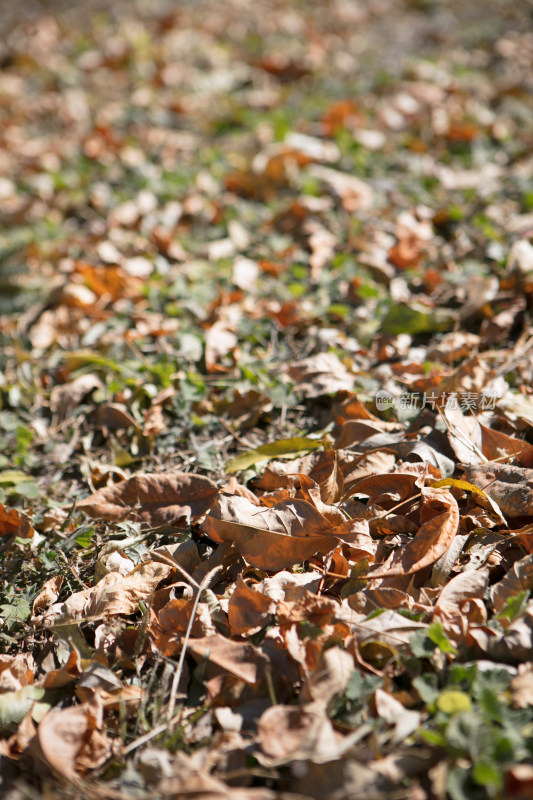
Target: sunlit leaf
pixel 283 448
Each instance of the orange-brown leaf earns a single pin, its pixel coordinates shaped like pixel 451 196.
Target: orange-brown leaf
pixel 270 538
pixel 159 499
pixel 432 540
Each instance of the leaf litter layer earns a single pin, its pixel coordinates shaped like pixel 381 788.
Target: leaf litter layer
pixel 266 507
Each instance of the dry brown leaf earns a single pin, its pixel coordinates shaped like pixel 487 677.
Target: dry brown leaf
pixel 460 602
pixel 288 734
pixel 220 340
pixel 522 687
pixel 158 499
pixel 321 374
pixel 48 594
pixel 248 609
pixel 270 538
pixel 116 594
pixel 328 681
pixel 495 444
pixel 65 398
pixel 354 193
pixel 464 435
pixel 518 579
pixel 72 740
pixel 238 658
pixel 319 465
pixel 391 488
pixel 432 540
pixel 511 487
pixel 16 671
pixel 168 628
pixel 113 416
pixel 392 711
pixel 15 523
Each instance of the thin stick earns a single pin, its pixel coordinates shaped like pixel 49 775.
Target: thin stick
pixel 171 717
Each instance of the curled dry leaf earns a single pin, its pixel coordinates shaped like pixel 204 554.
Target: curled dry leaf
pixel 16 671
pixel 392 711
pixel 15 523
pixel 432 540
pixel 458 605
pixel 464 435
pixel 270 538
pixel 518 579
pixel 48 594
pixel 116 594
pixel 248 609
pixel 328 681
pixel 72 741
pixel 163 499
pixel 289 733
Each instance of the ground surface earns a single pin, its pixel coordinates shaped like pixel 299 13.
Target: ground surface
pixel 266 414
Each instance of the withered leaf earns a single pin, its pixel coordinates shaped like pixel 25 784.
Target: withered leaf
pixel 72 741
pixel 432 540
pixel 270 538
pixel 159 499
pixel 239 658
pixel 116 594
pixel 518 579
pixel 510 486
pixel 15 523
pixel 248 609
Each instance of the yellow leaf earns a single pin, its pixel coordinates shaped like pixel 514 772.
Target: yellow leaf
pixel 283 448
pixel 453 701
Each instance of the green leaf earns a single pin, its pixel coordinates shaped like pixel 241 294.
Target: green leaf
pixel 28 489
pixel 437 634
pixel 15 705
pixel 13 477
pixel 15 612
pixel 488 775
pixel 283 448
pixel 407 319
pixel 433 737
pixel 515 606
pixel 427 692
pixel 85 538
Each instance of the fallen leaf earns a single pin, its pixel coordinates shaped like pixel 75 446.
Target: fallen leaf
pixel 248 609
pixel 238 658
pixel 270 538
pixel 72 741
pixel 518 579
pixel 321 374
pixel 159 499
pixel 511 487
pixel 15 523
pixel 116 594
pixel 287 448
pixel 430 542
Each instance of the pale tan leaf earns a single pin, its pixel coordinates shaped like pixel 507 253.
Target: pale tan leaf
pixel 72 741
pixel 116 594
pixel 239 658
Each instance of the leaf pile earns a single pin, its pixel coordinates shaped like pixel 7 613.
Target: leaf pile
pixel 266 417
